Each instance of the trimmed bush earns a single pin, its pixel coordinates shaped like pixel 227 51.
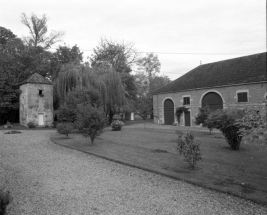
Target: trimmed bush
pixel 64 128
pixel 189 148
pixel 116 125
pixel 32 124
pixel 225 120
pixel 5 200
pixel 91 121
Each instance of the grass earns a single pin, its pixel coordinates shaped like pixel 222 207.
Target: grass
pixel 242 173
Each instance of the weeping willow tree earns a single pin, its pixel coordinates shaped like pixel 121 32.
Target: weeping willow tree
pixel 107 82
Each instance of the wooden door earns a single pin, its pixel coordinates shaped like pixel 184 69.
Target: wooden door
pixel 187 118
pixel 213 100
pixel 168 112
pixel 40 119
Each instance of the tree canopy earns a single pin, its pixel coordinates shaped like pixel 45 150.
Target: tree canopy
pixel 38 30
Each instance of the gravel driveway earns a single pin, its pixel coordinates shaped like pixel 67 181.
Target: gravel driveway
pixel 45 178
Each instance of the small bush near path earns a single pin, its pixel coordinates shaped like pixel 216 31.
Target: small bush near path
pixel 12 132
pixel 116 125
pixel 189 148
pixel 64 128
pixel 32 124
pixel 91 121
pixel 5 200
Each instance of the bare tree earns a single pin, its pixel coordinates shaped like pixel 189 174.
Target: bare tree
pixel 38 31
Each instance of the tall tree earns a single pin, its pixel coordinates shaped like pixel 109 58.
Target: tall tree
pixel 149 64
pixel 111 54
pixel 65 55
pixel 38 32
pixel 6 35
pixel 147 81
pixel 120 57
pixel 107 82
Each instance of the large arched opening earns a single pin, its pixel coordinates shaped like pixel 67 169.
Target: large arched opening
pixel 168 112
pixel 213 100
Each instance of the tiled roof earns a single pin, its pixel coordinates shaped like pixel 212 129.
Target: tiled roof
pixel 240 70
pixel 36 79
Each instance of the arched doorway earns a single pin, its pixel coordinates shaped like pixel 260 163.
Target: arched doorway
pixel 213 100
pixel 168 112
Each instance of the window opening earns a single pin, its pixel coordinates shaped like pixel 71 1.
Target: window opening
pixel 242 97
pixel 186 100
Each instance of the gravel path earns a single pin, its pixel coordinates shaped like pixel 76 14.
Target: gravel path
pixel 45 178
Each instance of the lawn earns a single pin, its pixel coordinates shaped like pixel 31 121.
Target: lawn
pixel 242 173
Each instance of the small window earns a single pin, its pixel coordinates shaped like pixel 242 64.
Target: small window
pixel 242 97
pixel 40 92
pixel 186 100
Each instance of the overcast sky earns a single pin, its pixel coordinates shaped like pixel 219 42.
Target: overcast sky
pixel 182 33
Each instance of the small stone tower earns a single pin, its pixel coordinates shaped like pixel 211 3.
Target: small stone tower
pixel 36 101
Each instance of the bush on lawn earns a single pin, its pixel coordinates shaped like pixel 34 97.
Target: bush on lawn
pixel 202 117
pixel 225 120
pixel 64 128
pixel 253 126
pixel 32 124
pixel 189 148
pixel 116 125
pixel 91 121
pixel 5 200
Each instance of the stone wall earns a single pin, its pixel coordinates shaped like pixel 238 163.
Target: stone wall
pixel 32 104
pixel 256 94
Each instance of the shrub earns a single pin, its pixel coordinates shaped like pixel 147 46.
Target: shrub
pixel 225 121
pixel 12 132
pixel 64 128
pixel 253 125
pixel 189 148
pixel 66 114
pixel 5 200
pixel 91 121
pixel 8 125
pixel 179 112
pixel 32 124
pixel 116 125
pixel 202 117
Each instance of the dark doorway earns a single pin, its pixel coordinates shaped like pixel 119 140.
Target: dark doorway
pixel 168 112
pixel 187 118
pixel 213 100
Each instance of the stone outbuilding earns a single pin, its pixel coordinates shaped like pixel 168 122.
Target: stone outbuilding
pixel 36 101
pixel 234 83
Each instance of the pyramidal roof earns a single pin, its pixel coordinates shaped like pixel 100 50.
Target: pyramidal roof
pixel 36 79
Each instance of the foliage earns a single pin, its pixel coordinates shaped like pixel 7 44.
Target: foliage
pixel 202 117
pixel 179 112
pixel 91 121
pixel 115 55
pixel 116 125
pixel 38 32
pixel 225 121
pixel 149 64
pixel 144 107
pixel 253 125
pixel 13 132
pixel 189 148
pixel 147 82
pixel 32 124
pixel 119 57
pixel 64 128
pixel 5 200
pixel 8 125
pixel 6 35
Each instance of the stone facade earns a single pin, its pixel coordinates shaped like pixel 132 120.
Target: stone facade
pixel 36 102
pixel 256 94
